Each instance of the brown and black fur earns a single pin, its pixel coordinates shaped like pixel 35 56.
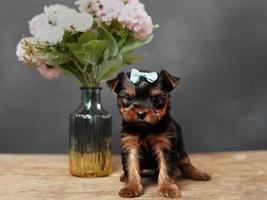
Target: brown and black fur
pixel 150 138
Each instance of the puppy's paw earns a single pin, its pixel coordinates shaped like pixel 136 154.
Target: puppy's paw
pixel 129 192
pixel 169 191
pixel 123 178
pixel 199 176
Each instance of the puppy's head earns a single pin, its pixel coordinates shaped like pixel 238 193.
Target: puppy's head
pixel 143 103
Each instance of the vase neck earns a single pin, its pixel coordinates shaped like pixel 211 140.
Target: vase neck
pixel 91 97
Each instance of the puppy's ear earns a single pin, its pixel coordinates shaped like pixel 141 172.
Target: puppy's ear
pixel 168 81
pixel 115 83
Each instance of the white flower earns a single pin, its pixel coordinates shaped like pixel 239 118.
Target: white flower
pixel 53 11
pixel 83 5
pixel 37 22
pixel 75 21
pixel 50 34
pixel 20 52
pixel 49 26
pixel 25 50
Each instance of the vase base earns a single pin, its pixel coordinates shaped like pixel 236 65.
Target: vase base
pixel 90 174
pixel 90 164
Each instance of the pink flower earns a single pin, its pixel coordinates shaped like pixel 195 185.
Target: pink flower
pixel 135 17
pixel 48 73
pixel 130 13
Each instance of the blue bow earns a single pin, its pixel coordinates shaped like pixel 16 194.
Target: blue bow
pixel 137 75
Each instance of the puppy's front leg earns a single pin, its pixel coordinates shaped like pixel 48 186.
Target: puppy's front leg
pixel 130 159
pixel 167 186
pixel 166 158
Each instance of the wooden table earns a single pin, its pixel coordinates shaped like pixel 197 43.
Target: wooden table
pixel 236 175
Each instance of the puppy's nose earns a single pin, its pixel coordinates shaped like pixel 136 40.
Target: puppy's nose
pixel 141 115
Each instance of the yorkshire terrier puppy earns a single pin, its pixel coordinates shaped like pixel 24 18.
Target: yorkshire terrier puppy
pixel 150 138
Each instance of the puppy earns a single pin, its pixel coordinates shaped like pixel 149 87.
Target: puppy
pixel 150 138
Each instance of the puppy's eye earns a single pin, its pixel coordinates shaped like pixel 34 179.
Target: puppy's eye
pixel 157 101
pixel 128 100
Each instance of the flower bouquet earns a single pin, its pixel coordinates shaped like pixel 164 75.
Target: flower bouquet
pixel 90 44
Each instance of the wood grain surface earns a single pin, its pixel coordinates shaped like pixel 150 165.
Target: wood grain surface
pixel 235 176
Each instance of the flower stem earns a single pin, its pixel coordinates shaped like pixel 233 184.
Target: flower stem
pixel 87 81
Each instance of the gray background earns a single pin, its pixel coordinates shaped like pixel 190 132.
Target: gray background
pixel 217 47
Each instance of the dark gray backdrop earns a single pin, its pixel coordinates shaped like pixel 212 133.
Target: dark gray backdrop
pixel 217 47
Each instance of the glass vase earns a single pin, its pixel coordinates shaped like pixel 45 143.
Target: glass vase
pixel 90 137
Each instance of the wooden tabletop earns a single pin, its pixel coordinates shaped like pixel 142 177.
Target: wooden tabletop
pixel 235 175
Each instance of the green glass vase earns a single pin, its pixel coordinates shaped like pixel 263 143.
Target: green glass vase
pixel 90 137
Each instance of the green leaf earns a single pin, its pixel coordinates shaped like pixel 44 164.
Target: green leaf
pixel 112 48
pixel 95 49
pixel 129 59
pixel 135 43
pixel 107 69
pixel 53 56
pixel 78 52
pixel 123 34
pixel 88 53
pixel 87 37
pixel 69 37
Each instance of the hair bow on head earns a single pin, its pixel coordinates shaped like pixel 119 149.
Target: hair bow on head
pixel 137 75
